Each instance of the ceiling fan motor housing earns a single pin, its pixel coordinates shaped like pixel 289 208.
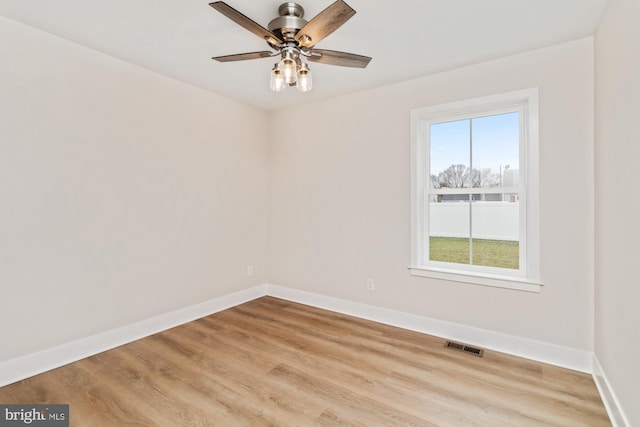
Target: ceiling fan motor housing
pixel 289 22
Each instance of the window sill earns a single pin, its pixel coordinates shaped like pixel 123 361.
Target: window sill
pixel 506 282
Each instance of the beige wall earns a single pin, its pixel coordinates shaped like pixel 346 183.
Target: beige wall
pixel 124 194
pixel 617 150
pixel 339 198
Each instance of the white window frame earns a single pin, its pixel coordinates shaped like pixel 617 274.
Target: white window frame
pixel 527 278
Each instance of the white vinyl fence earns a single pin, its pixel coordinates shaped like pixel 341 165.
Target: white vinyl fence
pixel 491 220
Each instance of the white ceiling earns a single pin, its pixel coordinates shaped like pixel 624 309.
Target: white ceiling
pixel 406 38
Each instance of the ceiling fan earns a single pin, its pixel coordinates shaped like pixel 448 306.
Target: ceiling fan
pixel 293 39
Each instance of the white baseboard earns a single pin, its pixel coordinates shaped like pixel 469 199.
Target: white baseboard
pixel 36 363
pixel 557 355
pixel 45 360
pixel 614 409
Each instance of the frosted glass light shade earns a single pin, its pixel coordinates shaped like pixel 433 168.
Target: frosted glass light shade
pixel 277 83
pixel 304 82
pixel 288 68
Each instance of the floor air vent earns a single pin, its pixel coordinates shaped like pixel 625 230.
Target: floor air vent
pixel 464 348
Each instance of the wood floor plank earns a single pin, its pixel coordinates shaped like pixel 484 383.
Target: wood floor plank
pixel 275 362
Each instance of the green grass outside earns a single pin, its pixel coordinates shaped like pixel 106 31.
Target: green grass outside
pixel 490 253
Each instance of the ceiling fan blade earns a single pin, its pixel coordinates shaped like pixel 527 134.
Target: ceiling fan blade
pixel 343 59
pixel 246 22
pixel 324 23
pixel 243 56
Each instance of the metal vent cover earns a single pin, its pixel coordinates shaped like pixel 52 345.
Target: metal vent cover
pixel 464 348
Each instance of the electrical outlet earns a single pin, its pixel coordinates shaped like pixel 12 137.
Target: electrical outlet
pixel 371 285
pixel 250 271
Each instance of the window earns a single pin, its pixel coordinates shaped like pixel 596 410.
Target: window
pixel 475 191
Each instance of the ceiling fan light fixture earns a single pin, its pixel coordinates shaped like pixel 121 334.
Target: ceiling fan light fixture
pixel 277 83
pixel 293 39
pixel 304 82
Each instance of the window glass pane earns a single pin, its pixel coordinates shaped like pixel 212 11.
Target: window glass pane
pixel 495 230
pixel 449 154
pixel 495 150
pixel 449 228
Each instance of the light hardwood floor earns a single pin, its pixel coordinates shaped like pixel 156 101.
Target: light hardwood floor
pixel 274 362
